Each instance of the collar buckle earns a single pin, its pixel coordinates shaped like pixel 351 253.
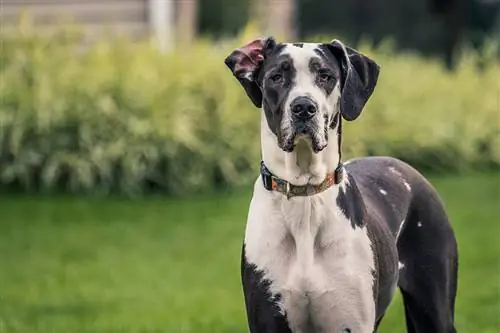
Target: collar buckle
pixel 288 195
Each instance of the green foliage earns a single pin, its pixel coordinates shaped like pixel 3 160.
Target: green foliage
pixel 433 119
pixel 121 116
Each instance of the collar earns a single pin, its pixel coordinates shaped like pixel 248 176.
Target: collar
pixel 273 183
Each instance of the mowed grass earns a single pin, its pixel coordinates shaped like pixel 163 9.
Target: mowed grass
pixel 70 265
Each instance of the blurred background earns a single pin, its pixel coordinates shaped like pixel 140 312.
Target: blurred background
pixel 128 150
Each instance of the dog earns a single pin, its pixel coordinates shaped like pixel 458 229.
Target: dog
pixel 327 243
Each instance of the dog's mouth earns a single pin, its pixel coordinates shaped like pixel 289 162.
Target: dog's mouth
pixel 306 134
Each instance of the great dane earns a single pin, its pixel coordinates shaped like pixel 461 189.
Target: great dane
pixel 327 243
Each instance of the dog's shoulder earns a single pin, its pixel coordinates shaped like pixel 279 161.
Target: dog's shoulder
pixel 375 165
pixel 385 185
pixel 383 174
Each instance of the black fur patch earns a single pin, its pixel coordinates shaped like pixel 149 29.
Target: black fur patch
pixel 301 45
pixel 322 68
pixel 262 312
pixel 276 92
pixel 351 203
pixel 339 134
pixel 329 59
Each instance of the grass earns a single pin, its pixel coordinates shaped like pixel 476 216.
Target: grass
pixel 73 264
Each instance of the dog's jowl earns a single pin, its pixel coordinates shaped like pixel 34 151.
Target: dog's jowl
pixel 327 243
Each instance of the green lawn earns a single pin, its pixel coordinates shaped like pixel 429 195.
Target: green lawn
pixel 70 265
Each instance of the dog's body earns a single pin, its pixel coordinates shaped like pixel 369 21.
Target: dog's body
pixel 335 271
pixel 330 261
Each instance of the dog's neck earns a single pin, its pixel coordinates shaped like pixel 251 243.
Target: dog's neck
pixel 302 166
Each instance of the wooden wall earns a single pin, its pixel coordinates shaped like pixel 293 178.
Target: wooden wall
pixel 117 16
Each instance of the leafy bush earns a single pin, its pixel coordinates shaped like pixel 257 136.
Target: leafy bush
pixel 121 116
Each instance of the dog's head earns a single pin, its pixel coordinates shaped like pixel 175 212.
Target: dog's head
pixel 304 87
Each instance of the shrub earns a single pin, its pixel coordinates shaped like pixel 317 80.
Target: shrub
pixel 121 116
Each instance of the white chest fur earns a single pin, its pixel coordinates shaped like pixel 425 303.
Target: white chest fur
pixel 312 256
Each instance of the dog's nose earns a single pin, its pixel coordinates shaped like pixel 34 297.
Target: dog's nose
pixel 303 108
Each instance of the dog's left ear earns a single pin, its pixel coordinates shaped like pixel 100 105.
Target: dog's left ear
pixel 359 77
pixel 246 62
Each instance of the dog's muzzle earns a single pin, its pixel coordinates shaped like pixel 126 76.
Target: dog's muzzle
pixel 303 110
pixel 304 124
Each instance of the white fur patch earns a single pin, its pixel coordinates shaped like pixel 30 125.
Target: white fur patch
pixel 384 192
pixel 393 170
pixel 313 257
pixel 396 172
pixel 248 76
pixel 400 265
pixel 419 224
pixel 400 228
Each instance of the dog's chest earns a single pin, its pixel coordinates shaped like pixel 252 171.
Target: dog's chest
pixel 314 259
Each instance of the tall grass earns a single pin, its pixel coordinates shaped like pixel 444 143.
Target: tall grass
pixel 119 115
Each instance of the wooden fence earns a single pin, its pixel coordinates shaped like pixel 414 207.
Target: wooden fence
pixel 136 18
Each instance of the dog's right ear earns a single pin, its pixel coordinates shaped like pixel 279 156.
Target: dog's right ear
pixel 359 78
pixel 246 62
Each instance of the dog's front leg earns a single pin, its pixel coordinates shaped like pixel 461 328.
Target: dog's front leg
pixel 262 312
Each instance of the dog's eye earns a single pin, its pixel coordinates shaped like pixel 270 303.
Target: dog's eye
pixel 276 78
pixel 325 77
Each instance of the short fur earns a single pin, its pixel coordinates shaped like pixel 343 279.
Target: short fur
pixel 330 262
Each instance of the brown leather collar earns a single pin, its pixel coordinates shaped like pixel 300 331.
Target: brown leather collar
pixel 273 183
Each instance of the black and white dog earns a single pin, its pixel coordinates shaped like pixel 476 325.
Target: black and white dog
pixel 327 243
